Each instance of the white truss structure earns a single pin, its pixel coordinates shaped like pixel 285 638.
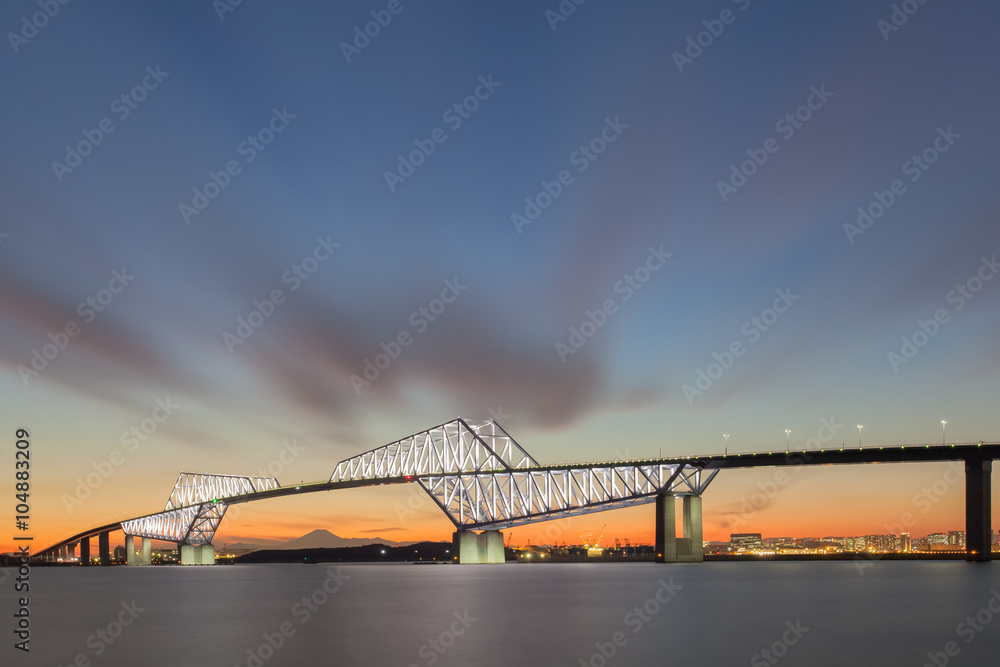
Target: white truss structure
pixel 504 499
pixel 455 447
pixel 194 488
pixel 193 512
pixel 474 471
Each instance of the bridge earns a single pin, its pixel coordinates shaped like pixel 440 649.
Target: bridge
pixel 483 480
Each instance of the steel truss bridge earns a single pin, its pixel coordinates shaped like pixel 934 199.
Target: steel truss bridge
pixel 484 480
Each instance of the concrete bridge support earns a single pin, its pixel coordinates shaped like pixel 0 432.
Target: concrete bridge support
pixel 978 515
pixel 71 551
pixel 145 554
pixel 666 529
pixel 104 547
pixel 670 548
pixel 62 553
pixel 197 554
pixel 486 547
pixel 85 551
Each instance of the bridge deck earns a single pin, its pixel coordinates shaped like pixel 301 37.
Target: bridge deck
pixel 829 456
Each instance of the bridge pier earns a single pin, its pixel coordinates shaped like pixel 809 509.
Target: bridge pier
pixel 104 547
pixel 71 551
pixel 85 551
pixel 669 548
pixel 62 553
pixel 473 549
pixel 978 515
pixel 143 557
pixel 197 554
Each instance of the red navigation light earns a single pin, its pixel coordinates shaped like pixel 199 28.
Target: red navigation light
pixel 408 478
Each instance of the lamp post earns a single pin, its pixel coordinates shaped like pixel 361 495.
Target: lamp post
pixel 787 433
pixel 726 436
pixel 859 435
pixel 943 422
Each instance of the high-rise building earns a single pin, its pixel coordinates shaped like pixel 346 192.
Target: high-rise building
pixel 956 538
pixel 120 554
pixel 937 538
pixel 854 544
pixel 746 541
pixel 905 543
pixel 880 543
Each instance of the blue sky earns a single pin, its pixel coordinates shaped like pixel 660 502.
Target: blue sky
pixel 494 348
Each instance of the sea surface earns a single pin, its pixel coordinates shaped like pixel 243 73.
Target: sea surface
pixel 882 613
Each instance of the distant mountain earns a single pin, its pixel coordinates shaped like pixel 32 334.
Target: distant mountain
pixel 427 552
pixel 324 539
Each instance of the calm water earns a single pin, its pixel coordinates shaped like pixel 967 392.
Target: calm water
pixel 515 614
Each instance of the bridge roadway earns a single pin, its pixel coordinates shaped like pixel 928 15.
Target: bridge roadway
pixel 308 487
pixel 977 458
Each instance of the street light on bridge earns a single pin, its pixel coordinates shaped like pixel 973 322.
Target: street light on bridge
pixel 726 436
pixel 859 435
pixel 787 433
pixel 943 422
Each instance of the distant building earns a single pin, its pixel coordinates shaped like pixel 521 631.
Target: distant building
pixel 905 543
pixel 956 538
pixel 120 554
pixel 854 544
pixel 880 543
pixel 746 541
pixel 937 538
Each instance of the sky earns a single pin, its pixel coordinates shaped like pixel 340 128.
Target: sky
pixel 621 231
